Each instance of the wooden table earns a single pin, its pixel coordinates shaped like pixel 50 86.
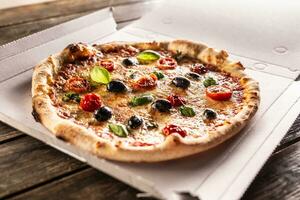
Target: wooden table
pixel 29 169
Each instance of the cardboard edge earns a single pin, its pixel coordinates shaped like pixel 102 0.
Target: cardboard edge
pixel 28 42
pixel 59 39
pixel 251 63
pixel 278 133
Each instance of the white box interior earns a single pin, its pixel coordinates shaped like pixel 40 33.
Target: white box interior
pixel 262 30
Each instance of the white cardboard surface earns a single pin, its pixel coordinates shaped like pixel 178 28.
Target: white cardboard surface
pixel 40 45
pixel 263 30
pixel 241 158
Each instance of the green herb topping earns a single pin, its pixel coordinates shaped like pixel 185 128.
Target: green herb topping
pixel 178 56
pixel 159 75
pixel 141 100
pixel 133 74
pixel 118 129
pixel 187 111
pixel 71 96
pixel 100 75
pixel 148 56
pixel 209 81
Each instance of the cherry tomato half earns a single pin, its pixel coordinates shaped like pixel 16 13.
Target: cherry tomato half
pixel 166 63
pixel 171 129
pixel 77 84
pixel 218 92
pixel 90 102
pixel 176 100
pixel 199 68
pixel 107 64
pixel 145 82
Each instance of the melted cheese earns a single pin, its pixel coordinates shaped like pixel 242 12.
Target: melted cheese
pixel 194 96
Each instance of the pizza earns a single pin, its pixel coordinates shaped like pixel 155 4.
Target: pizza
pixel 143 101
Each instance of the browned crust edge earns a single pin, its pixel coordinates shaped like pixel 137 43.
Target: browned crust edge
pixel 174 146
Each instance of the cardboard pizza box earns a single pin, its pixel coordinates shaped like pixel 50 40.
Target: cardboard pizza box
pixel 230 167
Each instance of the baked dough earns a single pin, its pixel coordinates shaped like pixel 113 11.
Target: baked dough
pixel 172 146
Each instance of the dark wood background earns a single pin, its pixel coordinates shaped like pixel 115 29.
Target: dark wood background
pixel 29 169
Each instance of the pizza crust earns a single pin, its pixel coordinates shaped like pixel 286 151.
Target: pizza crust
pixel 174 146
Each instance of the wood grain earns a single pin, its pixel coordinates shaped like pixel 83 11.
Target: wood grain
pixel 25 14
pixel 87 184
pixel 13 32
pixel 16 3
pixel 279 178
pixel 19 28
pixel 292 136
pixel 26 162
pixel 7 132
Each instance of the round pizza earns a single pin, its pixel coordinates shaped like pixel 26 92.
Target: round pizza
pixel 143 101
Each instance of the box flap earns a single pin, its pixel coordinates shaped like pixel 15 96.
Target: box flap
pixel 263 30
pixel 40 45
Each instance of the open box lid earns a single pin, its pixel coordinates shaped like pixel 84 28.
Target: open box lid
pixel 261 30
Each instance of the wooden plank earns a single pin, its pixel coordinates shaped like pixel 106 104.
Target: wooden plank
pixel 16 3
pixel 7 132
pixel 292 136
pixel 279 178
pixel 16 31
pixel 13 32
pixel 27 162
pixel 32 13
pixel 87 184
